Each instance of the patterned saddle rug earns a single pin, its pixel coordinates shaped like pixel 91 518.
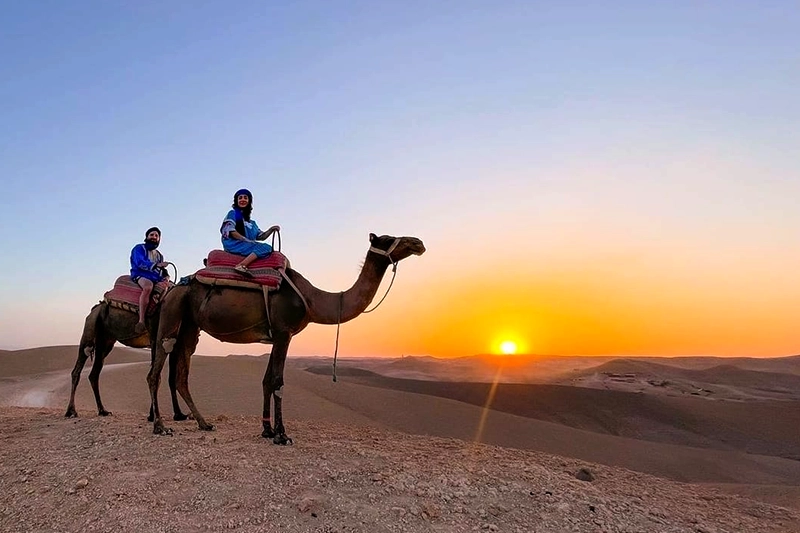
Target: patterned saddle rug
pixel 264 273
pixel 125 295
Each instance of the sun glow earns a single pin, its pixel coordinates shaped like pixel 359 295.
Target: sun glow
pixel 508 347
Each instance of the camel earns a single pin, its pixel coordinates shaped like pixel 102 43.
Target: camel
pixel 104 326
pixel 236 315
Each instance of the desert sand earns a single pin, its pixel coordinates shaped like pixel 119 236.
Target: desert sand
pixel 377 451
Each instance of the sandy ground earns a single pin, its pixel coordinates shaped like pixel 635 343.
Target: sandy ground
pixel 366 458
pixel 111 474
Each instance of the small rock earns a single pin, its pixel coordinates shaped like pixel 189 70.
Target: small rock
pixel 305 504
pixel 82 483
pixel 584 474
pixel 399 510
pixel 431 510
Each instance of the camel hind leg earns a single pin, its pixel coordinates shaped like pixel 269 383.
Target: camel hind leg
pixel 102 349
pixel 176 365
pixel 86 350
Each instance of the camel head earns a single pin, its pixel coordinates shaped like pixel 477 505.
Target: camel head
pixel 395 248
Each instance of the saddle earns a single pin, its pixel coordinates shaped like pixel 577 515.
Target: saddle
pixel 264 273
pixel 125 295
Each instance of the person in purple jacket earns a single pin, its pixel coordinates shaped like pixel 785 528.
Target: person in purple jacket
pixel 147 268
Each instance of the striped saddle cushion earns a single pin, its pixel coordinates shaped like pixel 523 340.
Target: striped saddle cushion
pixel 125 294
pixel 263 272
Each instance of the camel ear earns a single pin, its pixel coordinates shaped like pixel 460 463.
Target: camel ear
pixel 372 237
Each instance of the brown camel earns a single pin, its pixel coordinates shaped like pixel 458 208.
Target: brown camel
pixel 236 315
pixel 104 326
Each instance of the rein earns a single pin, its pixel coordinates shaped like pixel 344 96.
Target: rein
pixel 174 268
pixel 387 253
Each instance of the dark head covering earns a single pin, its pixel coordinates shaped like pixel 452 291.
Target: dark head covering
pixel 242 214
pixel 151 245
pixel 241 192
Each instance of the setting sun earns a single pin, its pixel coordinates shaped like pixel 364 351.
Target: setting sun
pixel 508 347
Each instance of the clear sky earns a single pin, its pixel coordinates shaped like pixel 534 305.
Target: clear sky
pixel 613 177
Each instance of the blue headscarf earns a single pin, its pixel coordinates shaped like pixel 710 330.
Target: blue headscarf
pixel 242 214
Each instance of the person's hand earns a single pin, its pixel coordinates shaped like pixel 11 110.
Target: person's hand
pixel 162 264
pixel 273 229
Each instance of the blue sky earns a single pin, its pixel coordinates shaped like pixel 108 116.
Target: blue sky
pixel 555 133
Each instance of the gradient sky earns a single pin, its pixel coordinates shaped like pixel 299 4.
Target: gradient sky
pixel 588 177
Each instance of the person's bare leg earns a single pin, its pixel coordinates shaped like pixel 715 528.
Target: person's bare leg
pixel 144 299
pixel 247 260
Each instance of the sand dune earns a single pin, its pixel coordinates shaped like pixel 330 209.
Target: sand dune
pixel 718 382
pixel 755 427
pixel 49 358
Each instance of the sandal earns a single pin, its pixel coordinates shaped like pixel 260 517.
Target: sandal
pixel 241 269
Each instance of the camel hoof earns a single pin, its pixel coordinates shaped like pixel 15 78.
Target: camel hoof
pixel 180 417
pixel 150 418
pixel 71 413
pixel 282 440
pixel 159 429
pixel 268 433
pixel 103 412
pixel 206 427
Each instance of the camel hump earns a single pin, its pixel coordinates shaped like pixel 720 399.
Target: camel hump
pixel 220 258
pixel 263 272
pixel 126 292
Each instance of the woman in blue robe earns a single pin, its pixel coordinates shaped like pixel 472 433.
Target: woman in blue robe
pixel 240 233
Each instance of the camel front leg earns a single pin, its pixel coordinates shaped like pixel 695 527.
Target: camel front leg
pixel 177 414
pixel 187 343
pixel 273 386
pixel 266 386
pixel 163 348
pixel 85 351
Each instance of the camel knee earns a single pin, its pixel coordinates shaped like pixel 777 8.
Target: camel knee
pixel 152 379
pixel 169 344
pixel 276 384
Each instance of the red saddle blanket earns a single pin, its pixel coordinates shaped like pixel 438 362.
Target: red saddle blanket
pixel 127 292
pixel 262 272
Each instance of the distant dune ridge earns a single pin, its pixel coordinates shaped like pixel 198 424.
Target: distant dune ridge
pixel 741 438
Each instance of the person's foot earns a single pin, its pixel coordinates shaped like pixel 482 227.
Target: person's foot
pixel 139 328
pixel 241 269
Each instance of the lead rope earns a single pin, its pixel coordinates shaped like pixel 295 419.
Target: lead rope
pixel 278 233
pixel 338 323
pixel 387 253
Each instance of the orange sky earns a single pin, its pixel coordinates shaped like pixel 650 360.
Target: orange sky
pixel 651 303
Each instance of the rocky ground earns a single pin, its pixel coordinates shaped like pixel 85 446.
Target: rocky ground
pixel 113 474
